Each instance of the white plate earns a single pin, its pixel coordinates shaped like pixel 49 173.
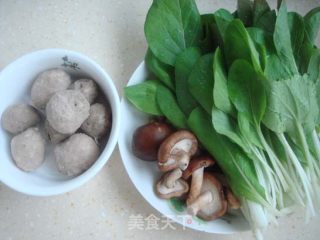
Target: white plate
pixel 145 174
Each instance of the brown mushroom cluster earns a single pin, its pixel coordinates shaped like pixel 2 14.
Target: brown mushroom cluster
pixel 71 115
pixel 185 170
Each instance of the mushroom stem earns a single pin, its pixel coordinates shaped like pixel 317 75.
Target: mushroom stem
pixel 172 177
pixel 196 184
pixel 233 201
pixel 201 202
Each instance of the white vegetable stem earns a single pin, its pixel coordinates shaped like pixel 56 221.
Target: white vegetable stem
pixel 276 163
pixel 256 216
pixel 266 177
pixel 316 143
pixel 302 174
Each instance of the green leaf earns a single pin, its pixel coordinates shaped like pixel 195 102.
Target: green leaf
pixel 184 65
pixel 220 90
pixel 314 67
pixel 162 71
pixel 237 168
pixel 245 11
pixel 260 7
pixel 274 143
pixel 258 35
pixel 178 204
pixel 317 87
pixel 201 82
pixel 312 23
pixel 274 69
pixel 262 55
pixel 247 129
pixel 239 45
pixel 143 97
pixel 226 125
pixel 296 27
pixel 222 19
pixel 172 26
pixel 261 37
pixel 207 42
pixel 246 90
pixel 170 108
pixel 267 21
pixel 282 41
pixel 305 53
pixel 291 102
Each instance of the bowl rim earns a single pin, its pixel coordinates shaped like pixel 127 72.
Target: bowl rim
pixel 142 67
pixel 114 101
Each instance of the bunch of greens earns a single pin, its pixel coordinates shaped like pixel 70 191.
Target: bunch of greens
pixel 247 85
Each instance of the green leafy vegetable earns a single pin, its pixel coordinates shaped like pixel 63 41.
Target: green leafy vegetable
pixel 238 169
pixel 260 7
pixel 201 82
pixel 239 45
pixel 222 19
pixel 282 41
pixel 220 90
pixel 314 67
pixel 312 23
pixel 207 42
pixel 184 65
pixel 244 11
pixel 171 27
pixel 143 97
pixel 274 69
pixel 170 108
pixel 246 90
pixel 296 28
pixel 289 104
pixel 162 71
pixel 267 21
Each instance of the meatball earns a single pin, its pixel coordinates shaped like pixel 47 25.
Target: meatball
pixel 19 117
pixel 67 110
pixel 87 87
pixel 28 149
pixel 48 83
pixel 76 154
pixel 53 135
pixel 99 121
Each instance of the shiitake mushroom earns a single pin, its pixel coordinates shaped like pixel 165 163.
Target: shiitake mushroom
pixel 147 139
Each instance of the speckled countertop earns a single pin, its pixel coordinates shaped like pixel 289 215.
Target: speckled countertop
pixel 111 33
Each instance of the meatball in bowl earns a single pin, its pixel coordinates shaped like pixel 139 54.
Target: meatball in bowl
pixel 59 113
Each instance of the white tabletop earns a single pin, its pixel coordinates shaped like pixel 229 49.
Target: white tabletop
pixel 111 33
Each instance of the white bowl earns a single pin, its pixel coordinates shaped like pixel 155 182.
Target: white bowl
pixel 15 84
pixel 144 174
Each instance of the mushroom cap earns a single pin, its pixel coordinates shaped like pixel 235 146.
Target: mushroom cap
pixel 181 187
pixel 218 206
pixel 196 163
pixel 147 139
pixel 172 147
